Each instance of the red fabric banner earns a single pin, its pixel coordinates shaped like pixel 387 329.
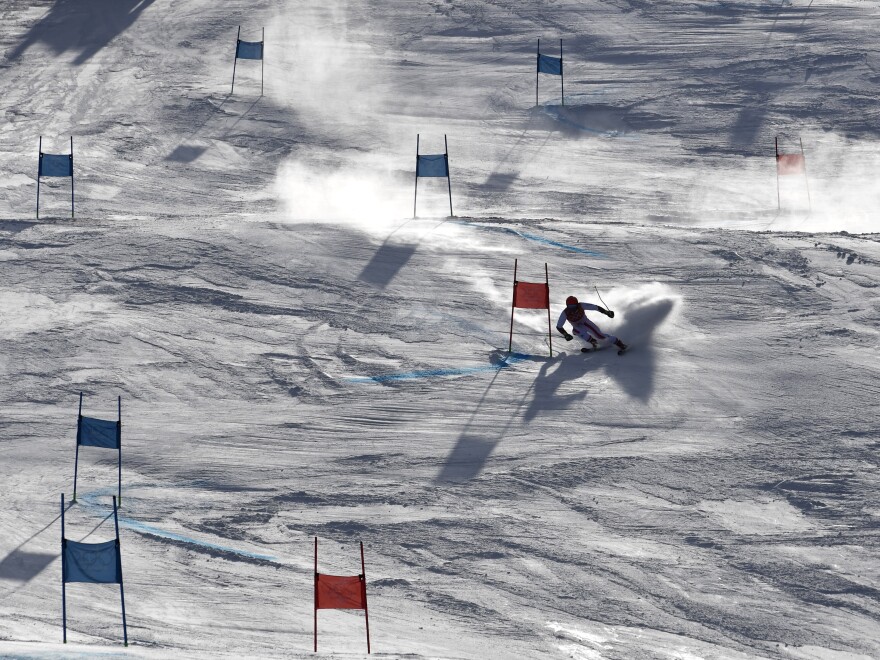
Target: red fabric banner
pixel 531 295
pixel 790 164
pixel 337 592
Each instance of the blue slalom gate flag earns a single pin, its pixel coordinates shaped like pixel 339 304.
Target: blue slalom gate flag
pixel 551 65
pixel 99 433
pixel 56 165
pixel 249 50
pixel 91 562
pixel 102 433
pixel 94 563
pixel 432 165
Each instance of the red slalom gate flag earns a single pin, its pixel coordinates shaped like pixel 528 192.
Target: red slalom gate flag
pixel 341 592
pixel 531 295
pixel 790 164
pixel 787 164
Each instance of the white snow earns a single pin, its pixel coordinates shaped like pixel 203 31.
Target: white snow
pixel 298 357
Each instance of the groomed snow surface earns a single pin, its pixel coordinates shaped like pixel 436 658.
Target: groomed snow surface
pixel 297 357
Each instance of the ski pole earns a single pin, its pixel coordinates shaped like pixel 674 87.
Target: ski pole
pixel 600 298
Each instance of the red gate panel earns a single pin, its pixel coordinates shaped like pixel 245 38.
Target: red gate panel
pixel 337 592
pixel 531 295
pixel 790 164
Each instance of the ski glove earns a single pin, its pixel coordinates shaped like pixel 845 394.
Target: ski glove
pixel 606 312
pixel 567 336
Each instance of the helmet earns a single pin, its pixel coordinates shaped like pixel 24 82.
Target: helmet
pixel 571 301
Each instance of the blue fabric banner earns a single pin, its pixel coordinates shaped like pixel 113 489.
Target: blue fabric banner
pixel 551 65
pixel 56 165
pixel 249 50
pixel 98 433
pixel 433 165
pixel 91 562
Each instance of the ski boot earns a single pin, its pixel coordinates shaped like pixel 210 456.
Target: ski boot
pixel 593 344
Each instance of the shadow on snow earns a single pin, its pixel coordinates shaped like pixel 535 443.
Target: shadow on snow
pixel 86 26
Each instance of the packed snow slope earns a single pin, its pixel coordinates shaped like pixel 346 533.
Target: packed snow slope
pixel 298 357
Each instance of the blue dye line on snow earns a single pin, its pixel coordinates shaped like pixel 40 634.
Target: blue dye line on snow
pixel 437 373
pixel 130 523
pixel 155 531
pixel 537 239
pixel 547 241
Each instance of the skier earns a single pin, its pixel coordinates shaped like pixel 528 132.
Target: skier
pixel 583 327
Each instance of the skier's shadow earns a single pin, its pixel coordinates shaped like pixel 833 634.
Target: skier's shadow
pixel 634 372
pixel 637 374
pixel 550 378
